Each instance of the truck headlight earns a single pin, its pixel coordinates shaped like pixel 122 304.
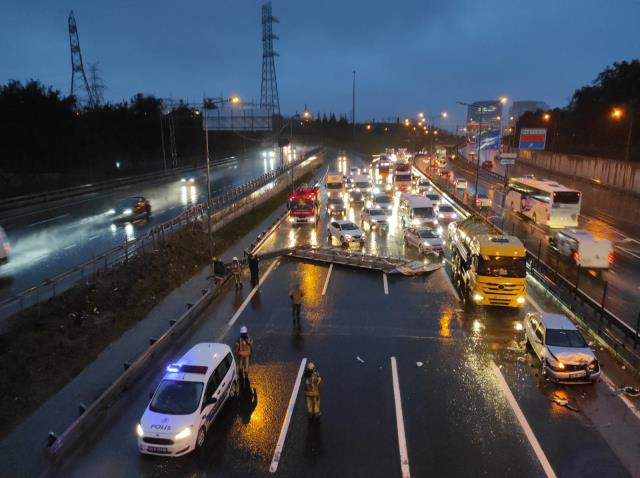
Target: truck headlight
pixel 520 300
pixel 183 434
pixel 478 297
pixel 139 430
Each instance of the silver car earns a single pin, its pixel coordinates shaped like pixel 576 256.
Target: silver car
pixel 375 217
pixel 565 355
pixel 426 239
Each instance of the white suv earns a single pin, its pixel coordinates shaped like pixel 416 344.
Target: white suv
pixel 346 231
pixel 563 352
pixel 187 400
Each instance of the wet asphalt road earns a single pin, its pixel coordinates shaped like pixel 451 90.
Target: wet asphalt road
pixel 50 241
pixel 623 277
pixel 457 419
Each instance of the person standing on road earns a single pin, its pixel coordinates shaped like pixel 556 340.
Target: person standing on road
pixel 236 270
pixel 296 294
pixel 244 348
pixel 253 268
pixel 312 383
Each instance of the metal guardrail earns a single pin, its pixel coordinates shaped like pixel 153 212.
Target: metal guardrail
pixel 86 424
pixel 74 191
pixel 121 254
pixel 612 329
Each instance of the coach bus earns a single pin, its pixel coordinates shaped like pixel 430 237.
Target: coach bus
pixel 544 201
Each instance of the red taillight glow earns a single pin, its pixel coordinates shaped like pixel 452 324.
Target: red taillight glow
pixel 610 257
pixel 576 255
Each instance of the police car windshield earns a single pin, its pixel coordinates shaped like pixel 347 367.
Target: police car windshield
pixel 176 397
pixel 565 338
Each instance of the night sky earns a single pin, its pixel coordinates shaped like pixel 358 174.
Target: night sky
pixel 409 55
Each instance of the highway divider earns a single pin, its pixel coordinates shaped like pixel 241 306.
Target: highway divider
pixel 609 330
pixel 85 426
pixel 226 201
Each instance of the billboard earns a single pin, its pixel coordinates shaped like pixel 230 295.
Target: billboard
pixel 238 118
pixel 533 138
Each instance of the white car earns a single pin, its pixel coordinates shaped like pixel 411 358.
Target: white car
pixel 196 176
pixel 482 200
pixel 375 217
pixel 447 213
pixel 354 170
pixel 460 183
pixel 563 352
pixel 345 231
pixel 426 239
pixel 5 248
pixel 187 400
pixel 382 201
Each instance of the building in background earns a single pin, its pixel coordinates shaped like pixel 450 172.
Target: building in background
pixel 491 112
pixel 518 108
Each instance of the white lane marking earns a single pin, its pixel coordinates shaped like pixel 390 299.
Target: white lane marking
pixel 402 439
pixel 628 252
pixel 533 441
pixel 385 283
pixel 453 289
pixel 48 220
pixel 326 281
pixel 94 237
pixel 535 304
pixel 277 453
pixel 251 294
pixel 630 405
pixel 70 247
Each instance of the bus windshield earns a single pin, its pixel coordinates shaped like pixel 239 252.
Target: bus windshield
pixel 501 266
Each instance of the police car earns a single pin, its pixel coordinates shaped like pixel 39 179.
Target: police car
pixel 187 400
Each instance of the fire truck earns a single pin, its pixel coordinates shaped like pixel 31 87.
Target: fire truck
pixel 304 205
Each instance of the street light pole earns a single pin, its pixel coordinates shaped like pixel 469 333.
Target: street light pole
pixel 626 154
pixel 206 147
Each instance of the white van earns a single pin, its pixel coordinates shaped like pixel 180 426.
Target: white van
pixel 4 247
pixel 417 211
pixel 584 248
pixel 187 400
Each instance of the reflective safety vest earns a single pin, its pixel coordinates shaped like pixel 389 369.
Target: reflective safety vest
pixel 312 385
pixel 243 347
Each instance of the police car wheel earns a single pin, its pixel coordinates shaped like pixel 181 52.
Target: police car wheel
pixel 202 436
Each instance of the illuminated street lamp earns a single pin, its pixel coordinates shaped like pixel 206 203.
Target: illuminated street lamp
pixel 501 100
pixel 546 116
pixel 235 100
pixel 617 114
pixel 368 127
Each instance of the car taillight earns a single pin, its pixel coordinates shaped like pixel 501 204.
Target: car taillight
pixel 576 256
pixel 610 257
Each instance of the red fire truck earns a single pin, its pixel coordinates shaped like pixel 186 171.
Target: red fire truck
pixel 304 205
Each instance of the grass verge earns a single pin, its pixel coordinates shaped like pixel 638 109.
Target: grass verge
pixel 80 323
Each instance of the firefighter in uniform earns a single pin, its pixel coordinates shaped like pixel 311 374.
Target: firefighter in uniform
pixel 244 348
pixel 236 270
pixel 312 383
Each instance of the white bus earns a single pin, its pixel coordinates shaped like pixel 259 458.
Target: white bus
pixel 544 201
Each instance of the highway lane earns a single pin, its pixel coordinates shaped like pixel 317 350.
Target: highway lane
pixel 456 415
pixel 623 278
pixel 54 240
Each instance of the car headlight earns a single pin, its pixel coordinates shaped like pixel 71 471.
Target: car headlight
pixel 192 180
pixel 454 216
pixel 555 364
pixel 593 365
pixel 347 236
pixel 127 212
pixel 435 222
pixel 330 208
pixel 183 180
pixel 477 297
pixel 415 222
pixel 291 219
pixel 441 216
pixel 111 211
pixel 183 434
pixel 139 430
pixel 520 300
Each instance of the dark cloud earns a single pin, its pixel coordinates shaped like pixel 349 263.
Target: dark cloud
pixel 409 55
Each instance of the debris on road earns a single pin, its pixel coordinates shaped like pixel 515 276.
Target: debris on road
pixel 563 402
pixel 629 391
pixel 359 359
pixel 419 364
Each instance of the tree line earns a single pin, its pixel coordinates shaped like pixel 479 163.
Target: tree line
pixel 600 119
